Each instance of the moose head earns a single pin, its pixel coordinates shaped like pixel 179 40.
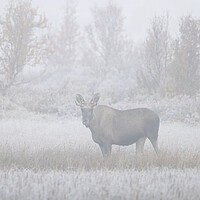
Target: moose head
pixel 87 107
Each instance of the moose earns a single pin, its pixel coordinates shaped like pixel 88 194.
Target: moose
pixel 110 126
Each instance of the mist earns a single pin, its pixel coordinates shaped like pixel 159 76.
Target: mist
pixel 99 99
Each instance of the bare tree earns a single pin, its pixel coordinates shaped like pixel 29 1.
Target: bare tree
pixel 108 48
pixel 65 54
pixel 154 55
pixel 20 44
pixel 184 71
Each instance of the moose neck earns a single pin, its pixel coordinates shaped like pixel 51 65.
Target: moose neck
pixel 93 123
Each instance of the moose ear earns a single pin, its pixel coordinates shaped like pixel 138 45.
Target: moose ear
pixel 79 100
pixel 95 99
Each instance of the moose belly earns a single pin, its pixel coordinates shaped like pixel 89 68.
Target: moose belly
pixel 126 139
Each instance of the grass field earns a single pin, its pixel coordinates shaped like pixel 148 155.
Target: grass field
pixel 57 159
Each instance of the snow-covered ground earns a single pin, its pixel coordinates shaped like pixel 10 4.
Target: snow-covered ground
pixel 71 134
pixel 57 159
pixel 99 185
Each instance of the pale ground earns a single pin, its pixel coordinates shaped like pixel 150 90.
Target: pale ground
pixel 57 159
pixel 37 134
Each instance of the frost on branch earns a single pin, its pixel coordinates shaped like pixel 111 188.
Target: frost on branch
pixel 21 45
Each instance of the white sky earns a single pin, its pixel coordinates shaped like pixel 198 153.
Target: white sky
pixel 137 13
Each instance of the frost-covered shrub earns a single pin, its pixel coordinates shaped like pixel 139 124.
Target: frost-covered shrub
pixel 179 108
pixel 116 89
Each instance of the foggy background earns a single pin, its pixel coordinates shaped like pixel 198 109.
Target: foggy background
pixel 134 53
pixel 138 14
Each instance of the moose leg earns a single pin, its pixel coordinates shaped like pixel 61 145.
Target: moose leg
pixel 154 142
pixel 105 149
pixel 140 145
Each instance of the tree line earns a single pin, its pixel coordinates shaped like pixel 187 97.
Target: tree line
pixel 160 64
